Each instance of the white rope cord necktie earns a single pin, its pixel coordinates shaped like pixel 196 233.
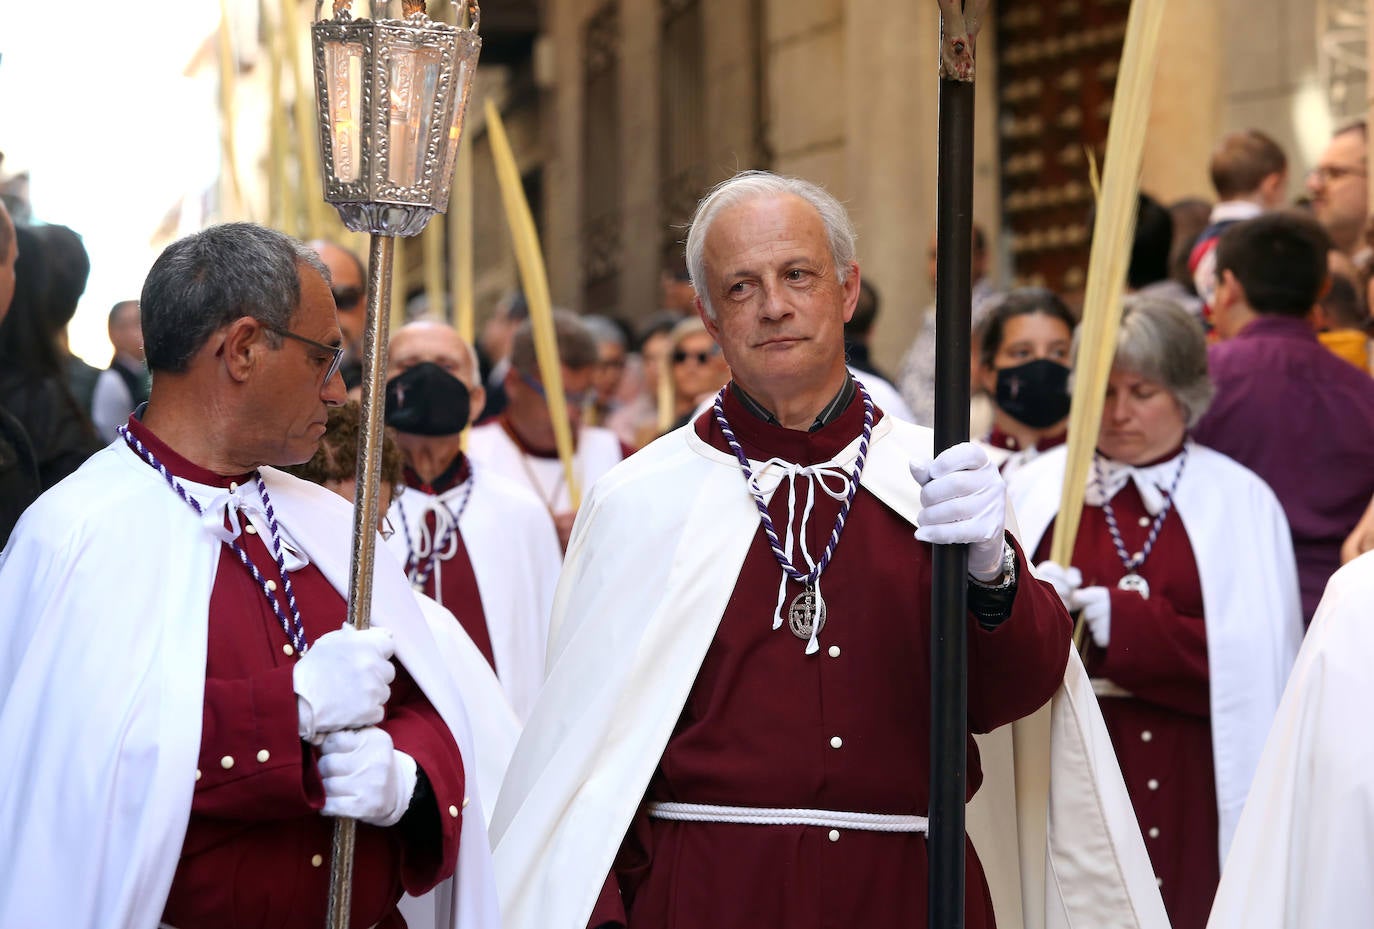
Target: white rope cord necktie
pixel 815 475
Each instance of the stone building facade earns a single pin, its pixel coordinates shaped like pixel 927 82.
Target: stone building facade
pixel 625 111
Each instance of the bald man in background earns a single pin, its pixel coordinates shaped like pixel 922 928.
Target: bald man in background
pixel 482 545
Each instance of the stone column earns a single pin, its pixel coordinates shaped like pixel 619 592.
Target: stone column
pixel 639 142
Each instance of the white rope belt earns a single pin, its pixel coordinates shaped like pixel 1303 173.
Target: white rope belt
pixel 1105 688
pixel 763 816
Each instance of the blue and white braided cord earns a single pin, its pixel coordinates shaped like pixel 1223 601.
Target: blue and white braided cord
pixel 813 576
pixel 293 627
pixel 1133 564
pixel 419 577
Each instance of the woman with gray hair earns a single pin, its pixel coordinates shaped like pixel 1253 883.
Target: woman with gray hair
pixel 1190 635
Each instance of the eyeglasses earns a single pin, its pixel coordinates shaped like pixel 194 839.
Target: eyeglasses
pixel 334 350
pixel 347 298
pixel 680 356
pixel 1328 173
pixel 578 400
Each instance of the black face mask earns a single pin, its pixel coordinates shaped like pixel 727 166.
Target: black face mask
pixel 427 400
pixel 1035 393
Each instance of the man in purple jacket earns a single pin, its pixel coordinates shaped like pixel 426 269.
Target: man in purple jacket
pixel 1286 407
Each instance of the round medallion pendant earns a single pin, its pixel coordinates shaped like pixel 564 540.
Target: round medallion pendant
pixel 1135 582
pixel 806 615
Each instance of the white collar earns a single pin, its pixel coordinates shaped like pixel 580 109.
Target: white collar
pixel 1151 481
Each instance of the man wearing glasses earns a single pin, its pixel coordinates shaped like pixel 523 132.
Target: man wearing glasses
pixel 520 443
pixel 183 715
pixel 1339 188
pixel 348 284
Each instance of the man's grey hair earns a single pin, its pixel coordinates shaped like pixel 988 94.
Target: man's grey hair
pixel 213 277
pixel 604 330
pixel 751 185
pixel 1162 341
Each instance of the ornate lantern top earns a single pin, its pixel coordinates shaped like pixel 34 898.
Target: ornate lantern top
pixel 392 94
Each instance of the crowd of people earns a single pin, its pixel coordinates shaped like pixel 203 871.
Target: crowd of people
pixel 680 676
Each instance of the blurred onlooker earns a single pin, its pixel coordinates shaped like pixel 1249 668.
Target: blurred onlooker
pixel 610 365
pixel 1341 316
pixel 348 284
pixel 858 333
pixel 1339 188
pixel 1285 407
pixel 675 288
pixel 1148 273
pixel 916 377
pixel 19 482
pixel 124 385
pixel 644 388
pixel 699 368
pixel 69 268
pixel 1249 172
pixel 493 352
pixel 33 380
pixel 1190 216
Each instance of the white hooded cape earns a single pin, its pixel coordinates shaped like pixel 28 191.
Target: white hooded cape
pixel 105 587
pixel 1303 855
pixel 513 547
pixel 628 637
pixel 1249 599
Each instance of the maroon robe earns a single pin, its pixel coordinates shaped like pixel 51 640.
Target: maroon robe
pixel 257 850
pixel 452 582
pixel 1157 650
pixel 846 729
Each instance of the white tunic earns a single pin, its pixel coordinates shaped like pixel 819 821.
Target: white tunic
pixel 106 588
pixel 598 450
pixel 1304 850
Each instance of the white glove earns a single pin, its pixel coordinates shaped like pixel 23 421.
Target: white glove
pixel 1064 580
pixel 343 681
pixel 963 499
pixel 365 778
pixel 1096 605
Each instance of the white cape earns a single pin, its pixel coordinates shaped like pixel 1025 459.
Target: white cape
pixel 1304 850
pixel 106 585
pixel 495 729
pixel 513 547
pixel 1249 598
pixel 622 662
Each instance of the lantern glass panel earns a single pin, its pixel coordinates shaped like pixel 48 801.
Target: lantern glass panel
pixel 414 73
pixel 344 61
pixel 463 86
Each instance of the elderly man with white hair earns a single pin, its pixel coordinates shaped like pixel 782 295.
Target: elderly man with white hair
pixel 736 719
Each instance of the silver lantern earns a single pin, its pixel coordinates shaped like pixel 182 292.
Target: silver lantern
pixel 392 94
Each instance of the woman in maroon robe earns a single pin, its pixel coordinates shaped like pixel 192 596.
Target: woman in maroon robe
pixel 1135 581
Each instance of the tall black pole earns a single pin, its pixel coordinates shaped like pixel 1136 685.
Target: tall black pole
pixel 949 592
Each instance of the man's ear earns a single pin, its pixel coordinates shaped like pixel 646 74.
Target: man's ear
pixel 706 319
pixel 851 291
pixel 477 401
pixel 242 343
